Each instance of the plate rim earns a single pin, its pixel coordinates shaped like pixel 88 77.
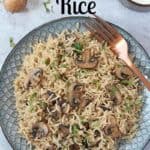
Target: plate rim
pixel 54 21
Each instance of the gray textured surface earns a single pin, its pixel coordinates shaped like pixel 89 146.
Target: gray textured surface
pixel 17 25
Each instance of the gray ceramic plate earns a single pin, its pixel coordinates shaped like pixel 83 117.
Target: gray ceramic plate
pixel 8 114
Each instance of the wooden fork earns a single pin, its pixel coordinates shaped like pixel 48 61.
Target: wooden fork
pixel 105 32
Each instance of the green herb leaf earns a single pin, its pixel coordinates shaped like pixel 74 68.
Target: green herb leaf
pixel 11 42
pixel 42 104
pixel 48 6
pixel 138 102
pixel 57 76
pixel 127 82
pixel 128 106
pixel 95 124
pixel 32 108
pixel 96 83
pixel 78 48
pixel 53 65
pixel 64 65
pixel 34 95
pixel 47 61
pixel 113 90
pixel 31 102
pixel 75 129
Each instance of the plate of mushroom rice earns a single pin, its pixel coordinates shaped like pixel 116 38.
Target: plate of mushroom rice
pixel 61 89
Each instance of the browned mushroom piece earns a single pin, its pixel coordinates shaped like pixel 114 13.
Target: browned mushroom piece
pixel 75 94
pixel 74 103
pixel 96 133
pixel 117 98
pixel 77 98
pixel 63 105
pixel 56 115
pixel 112 131
pixel 34 78
pixel 123 73
pixel 84 102
pixel 49 96
pixel 78 90
pixel 74 147
pixel 39 130
pixel 63 130
pixel 87 61
pixel 112 120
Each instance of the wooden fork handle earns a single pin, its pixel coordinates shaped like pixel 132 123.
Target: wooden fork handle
pixel 138 73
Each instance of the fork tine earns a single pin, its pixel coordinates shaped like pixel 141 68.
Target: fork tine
pixel 99 32
pixel 106 25
pixel 102 28
pixel 93 32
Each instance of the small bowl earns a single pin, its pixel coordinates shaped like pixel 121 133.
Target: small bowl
pixel 137 6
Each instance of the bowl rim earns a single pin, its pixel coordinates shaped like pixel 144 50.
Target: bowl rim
pixel 45 24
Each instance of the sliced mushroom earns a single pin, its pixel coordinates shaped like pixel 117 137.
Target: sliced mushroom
pixel 96 133
pixel 47 93
pixel 77 97
pixel 56 115
pixel 88 61
pixel 34 78
pixel 63 105
pixel 123 73
pixel 49 96
pixel 112 131
pixel 75 94
pixel 39 130
pixel 84 102
pixel 117 98
pixel 74 147
pixel 63 130
pixel 78 90
pixel 74 103
pixel 112 120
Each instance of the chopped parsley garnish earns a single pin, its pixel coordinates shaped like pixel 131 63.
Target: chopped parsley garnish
pixel 47 61
pixel 11 42
pixel 53 65
pixel 57 76
pixel 47 6
pixel 34 95
pixel 32 102
pixel 113 90
pixel 75 129
pixel 78 48
pixel 64 65
pixel 128 106
pixel 138 102
pixel 42 104
pixel 127 82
